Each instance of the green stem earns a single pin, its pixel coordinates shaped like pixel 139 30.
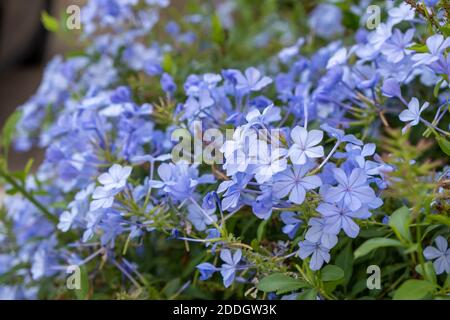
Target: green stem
pixel 29 197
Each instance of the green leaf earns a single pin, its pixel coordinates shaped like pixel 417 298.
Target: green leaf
pixel 399 222
pixel 168 64
pixel 344 260
pixel 437 87
pixel 331 273
pixel 414 290
pixel 50 23
pixel 375 243
pixel 28 167
pixel 445 31
pixel 172 287
pixel 261 230
pixel 421 48
pixel 447 282
pixel 310 294
pixel 351 20
pixel 444 144
pixel 9 130
pixel 218 34
pixel 82 293
pixel 439 219
pixel 429 273
pixel 281 283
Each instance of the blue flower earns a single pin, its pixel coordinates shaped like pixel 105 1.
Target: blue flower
pixel 103 198
pixel 293 182
pixel 440 255
pixel 179 180
pixel 353 189
pixel 234 190
pixel 252 81
pixel 206 270
pixel 115 178
pixel 326 21
pixel 338 217
pixel 395 49
pixel 391 88
pixel 121 94
pixel 113 182
pixel 317 233
pixel 209 203
pixel 404 12
pixel 228 269
pixel 167 84
pixel 292 223
pixel 412 114
pixel 431 3
pixel 318 252
pixel 436 46
pixel 377 38
pixel 111 227
pixel 66 219
pixel 269 114
pixel 269 161
pixel 263 205
pixel 200 218
pixel 442 66
pixel 305 145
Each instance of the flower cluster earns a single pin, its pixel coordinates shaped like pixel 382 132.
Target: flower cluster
pixel 302 173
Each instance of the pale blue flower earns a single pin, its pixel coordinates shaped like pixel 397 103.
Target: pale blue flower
pixel 228 269
pixel 353 189
pixel 115 178
pixel 338 217
pixel 200 218
pixel 292 223
pixel 317 233
pixel 269 114
pixel 412 114
pixel 391 88
pixel 66 219
pixel 269 161
pixel 404 12
pixel 293 182
pixel 431 3
pixel 318 252
pixel 103 198
pixel 440 255
pixel 395 49
pixel 436 46
pixel 252 81
pixel 326 21
pixel 206 270
pixel 305 145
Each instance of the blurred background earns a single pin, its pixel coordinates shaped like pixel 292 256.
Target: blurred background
pixel 25 48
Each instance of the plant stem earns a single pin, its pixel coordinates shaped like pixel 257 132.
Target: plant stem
pixel 29 197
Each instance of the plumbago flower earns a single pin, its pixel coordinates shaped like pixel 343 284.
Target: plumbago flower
pixel 412 114
pixel 227 270
pixel 305 145
pixel 352 189
pixel 300 180
pixel 440 255
pixel 347 194
pixel 293 182
pixel 436 45
pixel 113 182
